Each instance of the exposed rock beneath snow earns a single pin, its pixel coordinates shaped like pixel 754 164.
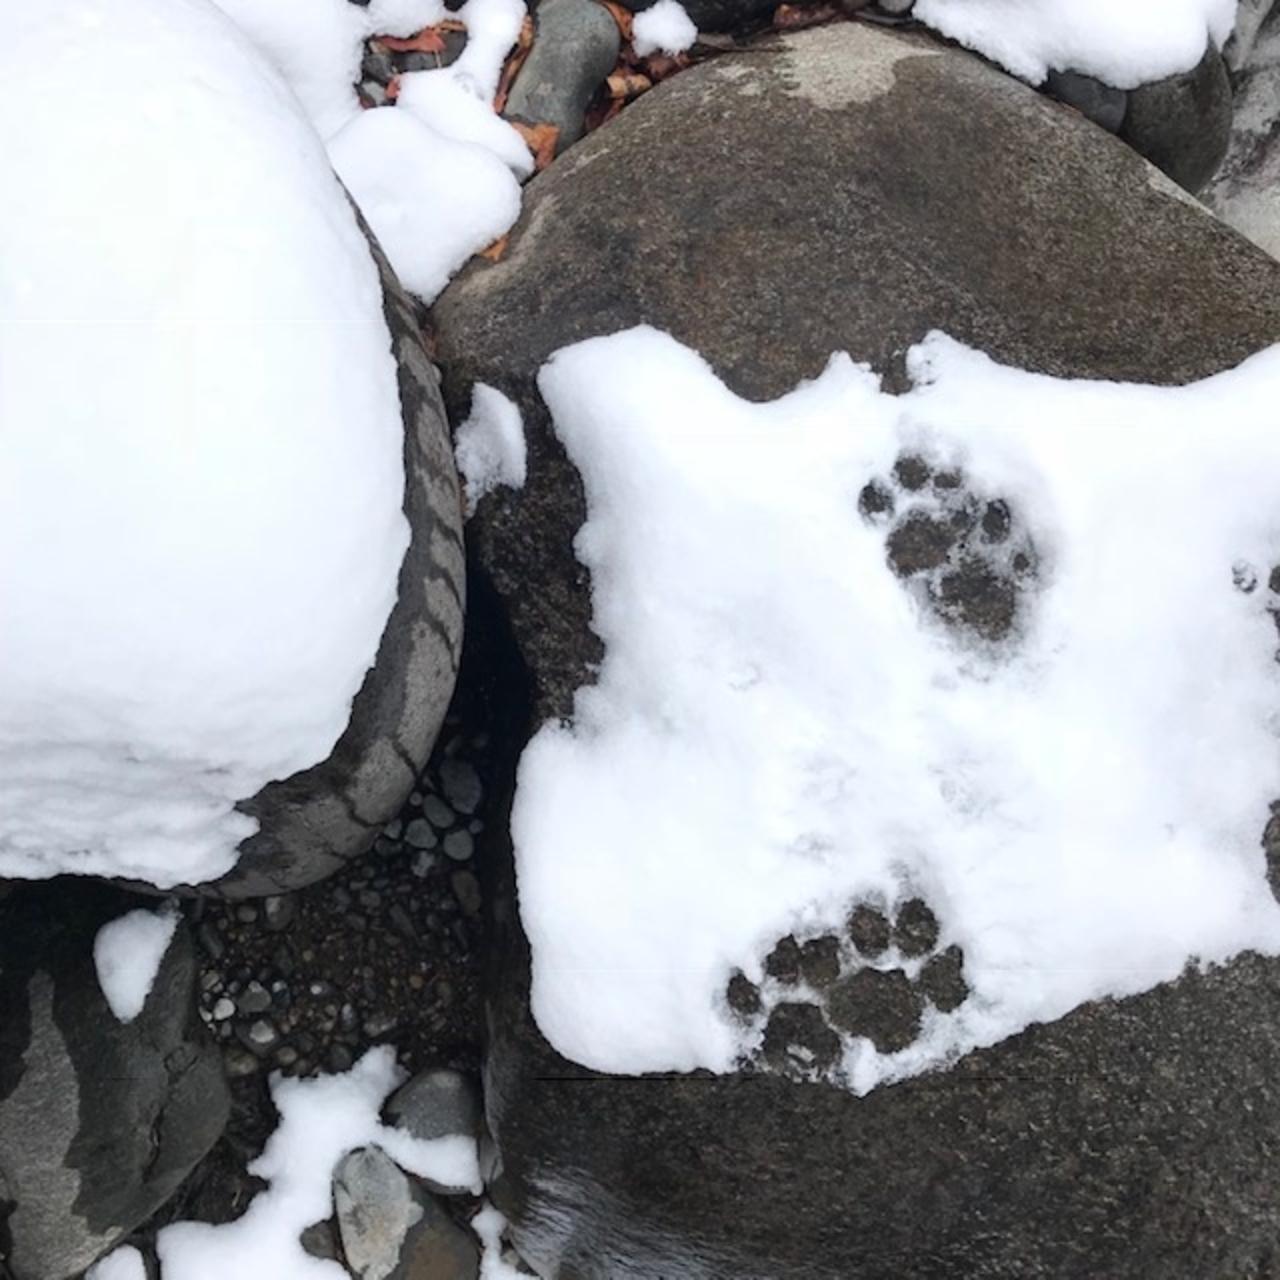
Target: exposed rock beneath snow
pixel 1246 190
pixel 880 207
pixel 574 49
pixel 315 822
pixel 1183 124
pixel 99 1120
pixel 1102 103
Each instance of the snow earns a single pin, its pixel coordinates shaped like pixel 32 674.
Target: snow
pixel 489 446
pixel 124 1263
pixel 201 529
pixel 431 202
pixel 127 953
pixel 664 27
pixel 321 1120
pixel 440 101
pixel 779 729
pixel 431 174
pixel 1122 42
pixel 489 1225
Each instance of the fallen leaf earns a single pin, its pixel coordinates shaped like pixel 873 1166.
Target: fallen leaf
pixel 393 89
pixel 541 140
pixel 659 66
pixel 792 17
pixel 496 251
pixel 511 68
pixel 428 40
pixel 627 86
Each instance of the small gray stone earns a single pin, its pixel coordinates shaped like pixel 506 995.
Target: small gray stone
pixel 438 1103
pixel 437 1247
pixel 254 999
pixel 246 914
pixel 238 1062
pixel 279 911
pixel 375 1208
pixel 438 813
pixel 1101 103
pixel 575 47
pixel 459 845
pixel 259 1037
pixel 420 835
pixel 459 780
pixel 224 1009
pixel 320 1240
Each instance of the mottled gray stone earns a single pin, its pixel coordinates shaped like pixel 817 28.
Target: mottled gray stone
pixel 1101 103
pixel 1182 124
pixel 99 1120
pixel 1133 1138
pixel 313 823
pixel 575 47
pixel 376 1208
pixel 438 1103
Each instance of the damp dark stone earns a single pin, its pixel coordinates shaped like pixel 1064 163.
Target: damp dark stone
pixel 945 481
pixel 743 995
pixel 916 929
pixel 942 980
pixel 869 930
pixel 875 501
pixel 1271 847
pixel 1274 580
pixel 912 472
pixel 882 1005
pixel 820 961
pixel 798 1038
pixel 783 962
pixel 919 543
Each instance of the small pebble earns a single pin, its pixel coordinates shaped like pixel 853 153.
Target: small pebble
pixel 466 888
pixel 459 846
pixel 223 1009
pixel 246 914
pixel 438 813
pixel 461 785
pixel 420 834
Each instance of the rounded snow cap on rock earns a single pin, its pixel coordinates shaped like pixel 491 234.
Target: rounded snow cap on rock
pixel 201 443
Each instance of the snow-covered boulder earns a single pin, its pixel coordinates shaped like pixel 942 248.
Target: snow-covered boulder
pixel 851 190
pixel 100 1118
pixel 229 533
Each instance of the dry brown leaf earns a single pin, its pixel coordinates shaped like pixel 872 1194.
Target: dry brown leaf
pixel 627 85
pixel 511 68
pixel 428 40
pixel 659 66
pixel 792 17
pixel 496 251
pixel 541 140
pixel 393 88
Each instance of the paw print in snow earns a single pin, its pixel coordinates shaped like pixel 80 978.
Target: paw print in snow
pixel 967 556
pixel 822 991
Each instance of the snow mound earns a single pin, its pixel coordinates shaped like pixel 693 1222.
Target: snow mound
pixel 782 728
pixel 320 1121
pixel 124 1263
pixel 430 174
pixel 664 26
pixel 490 446
pixel 201 469
pixel 1124 43
pixel 127 953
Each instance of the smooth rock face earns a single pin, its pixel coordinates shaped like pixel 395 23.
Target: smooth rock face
pixel 317 820
pixel 575 47
pixel 440 1103
pixel 1102 103
pixel 1183 124
pixel 1136 1137
pixel 1246 189
pixel 99 1121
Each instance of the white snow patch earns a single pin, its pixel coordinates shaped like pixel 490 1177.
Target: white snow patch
pixel 1122 42
pixel 431 202
pixel 127 953
pixel 663 26
pixel 778 730
pixel 201 527
pixel 493 27
pixel 489 1225
pixel 124 1263
pixel 439 100
pixel 320 1121
pixel 490 445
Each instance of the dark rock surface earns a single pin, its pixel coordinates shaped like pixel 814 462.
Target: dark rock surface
pixel 1101 103
pixel 1182 124
pixel 316 821
pixel 575 47
pixel 99 1120
pixel 1133 1137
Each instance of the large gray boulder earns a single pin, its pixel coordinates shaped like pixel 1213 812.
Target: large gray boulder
pixel 313 823
pixel 852 188
pixel 99 1120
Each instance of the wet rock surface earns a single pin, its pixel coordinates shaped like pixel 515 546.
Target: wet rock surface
pixel 99 1120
